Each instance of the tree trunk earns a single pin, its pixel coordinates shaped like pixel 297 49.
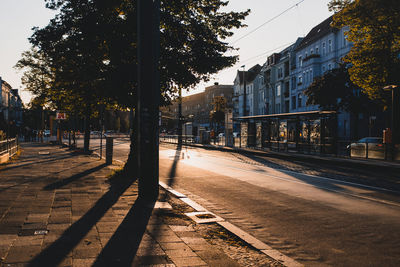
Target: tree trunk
pixel 87 131
pixel 131 164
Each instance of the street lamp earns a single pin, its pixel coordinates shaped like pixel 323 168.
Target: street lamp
pixel 395 124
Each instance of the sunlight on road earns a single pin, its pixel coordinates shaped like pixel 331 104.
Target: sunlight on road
pixel 340 194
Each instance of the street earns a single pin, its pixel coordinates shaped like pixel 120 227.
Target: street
pixel 317 214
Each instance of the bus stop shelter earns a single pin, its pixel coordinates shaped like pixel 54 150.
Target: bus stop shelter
pixel 311 132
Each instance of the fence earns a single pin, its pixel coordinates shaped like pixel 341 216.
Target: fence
pixel 9 147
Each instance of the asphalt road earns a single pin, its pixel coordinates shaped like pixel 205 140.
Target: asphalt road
pixel 320 215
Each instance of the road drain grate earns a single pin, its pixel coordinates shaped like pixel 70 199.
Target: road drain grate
pixel 204 217
pixel 32 232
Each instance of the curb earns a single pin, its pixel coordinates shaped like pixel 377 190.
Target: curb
pixel 247 238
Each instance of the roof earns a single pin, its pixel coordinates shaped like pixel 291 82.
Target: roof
pixel 250 74
pixel 317 32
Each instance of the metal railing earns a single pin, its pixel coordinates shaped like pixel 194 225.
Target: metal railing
pixel 9 146
pixel 186 139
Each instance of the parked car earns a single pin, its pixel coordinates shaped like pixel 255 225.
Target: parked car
pixel 221 135
pixel 236 134
pixel 46 133
pixel 374 145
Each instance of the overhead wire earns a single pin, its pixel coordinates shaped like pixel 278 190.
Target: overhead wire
pixel 268 21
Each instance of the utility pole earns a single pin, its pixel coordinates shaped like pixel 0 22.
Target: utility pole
pixel 244 92
pixel 180 117
pixel 395 114
pixel 148 97
pixel 8 123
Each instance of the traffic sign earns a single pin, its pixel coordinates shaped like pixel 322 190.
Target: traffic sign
pixel 61 116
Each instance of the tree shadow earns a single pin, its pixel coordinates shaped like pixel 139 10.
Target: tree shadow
pixel 59 249
pixel 122 247
pixel 73 178
pixel 25 181
pixel 172 172
pixel 46 160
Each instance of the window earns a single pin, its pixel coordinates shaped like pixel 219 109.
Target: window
pixel 329 66
pixel 344 39
pixel 311 51
pixel 317 50
pixel 305 56
pixel 323 48
pixel 311 76
pixel 278 108
pixel 293 83
pixel 278 90
pixel 294 102
pixel 299 100
pixel 300 61
pixel 280 72
pixel 323 69
pixel 329 45
pixel 300 80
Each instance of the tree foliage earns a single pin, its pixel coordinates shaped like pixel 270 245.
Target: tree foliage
pixel 217 114
pixel 374 30
pixel 335 91
pixel 91 46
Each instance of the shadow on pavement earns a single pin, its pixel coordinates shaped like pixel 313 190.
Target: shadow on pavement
pixel 122 248
pixel 172 172
pixel 59 249
pixel 73 178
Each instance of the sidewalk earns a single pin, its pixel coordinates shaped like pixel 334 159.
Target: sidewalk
pixel 58 208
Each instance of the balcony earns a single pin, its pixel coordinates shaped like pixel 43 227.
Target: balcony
pixel 311 59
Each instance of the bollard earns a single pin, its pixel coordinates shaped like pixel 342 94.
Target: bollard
pixel 109 150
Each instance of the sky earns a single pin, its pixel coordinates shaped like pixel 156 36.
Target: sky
pixel 19 16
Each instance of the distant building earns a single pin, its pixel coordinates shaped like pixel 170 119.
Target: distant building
pixel 10 106
pixel 252 84
pixel 196 108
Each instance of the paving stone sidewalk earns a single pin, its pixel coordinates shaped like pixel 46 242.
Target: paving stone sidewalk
pixel 58 208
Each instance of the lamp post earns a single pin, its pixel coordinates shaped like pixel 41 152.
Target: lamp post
pixel 8 123
pixel 395 120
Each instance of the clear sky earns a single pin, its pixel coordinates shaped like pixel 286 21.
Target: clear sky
pixel 19 16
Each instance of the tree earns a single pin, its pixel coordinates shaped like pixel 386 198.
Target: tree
pixel 217 114
pixel 92 47
pixel 374 30
pixel 334 91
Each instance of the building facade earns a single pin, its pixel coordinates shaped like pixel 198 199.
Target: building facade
pixel 10 107
pixel 196 108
